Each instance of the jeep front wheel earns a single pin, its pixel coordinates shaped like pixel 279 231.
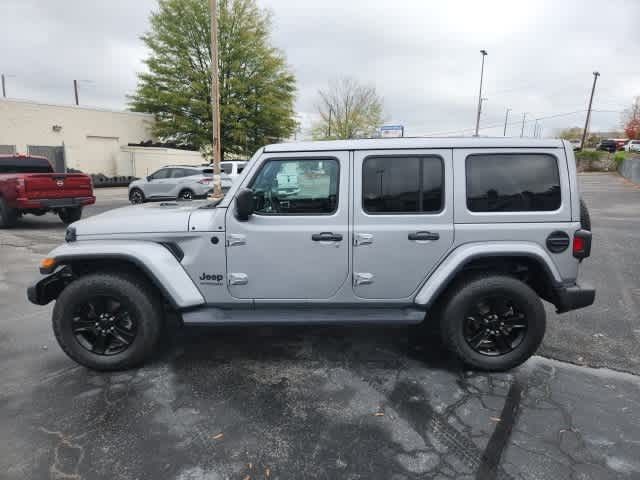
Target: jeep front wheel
pixel 493 322
pixel 108 321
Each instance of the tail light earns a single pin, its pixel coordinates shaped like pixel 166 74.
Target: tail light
pixel 205 181
pixel 20 185
pixel 582 244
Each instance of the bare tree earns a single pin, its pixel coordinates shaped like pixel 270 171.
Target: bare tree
pixel 348 110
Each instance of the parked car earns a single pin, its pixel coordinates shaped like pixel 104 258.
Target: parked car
pixel 608 145
pixel 632 146
pixel 620 143
pixel 172 182
pixel 29 186
pixel 233 168
pixel 469 234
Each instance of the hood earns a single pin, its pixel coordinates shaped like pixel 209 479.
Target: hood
pixel 162 217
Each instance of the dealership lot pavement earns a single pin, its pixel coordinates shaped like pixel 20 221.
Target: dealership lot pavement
pixel 330 402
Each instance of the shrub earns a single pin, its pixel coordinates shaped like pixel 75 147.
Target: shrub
pixel 619 157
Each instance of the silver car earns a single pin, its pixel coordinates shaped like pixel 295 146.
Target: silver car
pixel 182 182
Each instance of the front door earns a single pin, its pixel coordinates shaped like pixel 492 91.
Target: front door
pixel 296 243
pixel 403 219
pixel 157 183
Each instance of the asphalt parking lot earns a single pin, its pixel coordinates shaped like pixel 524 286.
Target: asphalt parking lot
pixel 355 403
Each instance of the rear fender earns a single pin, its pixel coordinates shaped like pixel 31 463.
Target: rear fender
pixel 446 272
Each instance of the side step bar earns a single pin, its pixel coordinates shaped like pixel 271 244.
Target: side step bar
pixel 320 315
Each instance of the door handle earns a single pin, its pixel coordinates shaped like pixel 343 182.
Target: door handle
pixel 424 236
pixel 326 237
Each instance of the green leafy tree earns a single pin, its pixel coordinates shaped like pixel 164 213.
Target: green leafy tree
pixel 257 90
pixel 348 109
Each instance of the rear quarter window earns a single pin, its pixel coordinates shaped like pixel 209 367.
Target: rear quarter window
pixel 519 182
pixel 24 165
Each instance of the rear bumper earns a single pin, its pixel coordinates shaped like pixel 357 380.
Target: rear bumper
pixel 51 203
pixel 573 297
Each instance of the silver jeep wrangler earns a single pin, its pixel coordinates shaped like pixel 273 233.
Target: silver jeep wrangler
pixel 463 234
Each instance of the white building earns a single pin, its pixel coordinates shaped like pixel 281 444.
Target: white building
pixel 93 140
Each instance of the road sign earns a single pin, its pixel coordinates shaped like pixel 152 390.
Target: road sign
pixel 392 131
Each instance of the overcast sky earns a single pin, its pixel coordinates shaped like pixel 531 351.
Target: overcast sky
pixel 422 56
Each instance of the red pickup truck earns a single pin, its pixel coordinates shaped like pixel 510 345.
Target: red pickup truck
pixel 28 185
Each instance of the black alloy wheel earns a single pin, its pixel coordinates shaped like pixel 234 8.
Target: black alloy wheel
pixel 494 326
pixel 136 196
pixel 104 326
pixel 186 195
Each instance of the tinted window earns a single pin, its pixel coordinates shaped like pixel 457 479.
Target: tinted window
pixel 207 171
pixel 178 173
pixel 161 174
pixel 402 184
pixel 512 183
pixel 24 165
pixel 297 187
pixel 226 168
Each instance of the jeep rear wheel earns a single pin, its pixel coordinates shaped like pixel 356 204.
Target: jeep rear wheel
pixel 107 321
pixel 8 216
pixel 493 322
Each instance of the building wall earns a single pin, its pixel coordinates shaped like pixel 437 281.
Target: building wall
pixel 92 137
pixel 143 161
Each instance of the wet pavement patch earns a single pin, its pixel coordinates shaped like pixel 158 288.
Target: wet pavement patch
pixel 321 403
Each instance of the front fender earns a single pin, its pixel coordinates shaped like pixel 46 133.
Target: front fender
pixel 456 260
pixel 154 259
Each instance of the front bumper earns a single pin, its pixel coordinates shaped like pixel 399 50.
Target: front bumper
pixel 573 297
pixel 48 288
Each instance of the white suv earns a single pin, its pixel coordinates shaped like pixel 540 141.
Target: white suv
pixel 233 168
pixel 632 146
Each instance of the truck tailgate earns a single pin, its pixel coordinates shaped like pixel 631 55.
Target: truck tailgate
pixel 57 185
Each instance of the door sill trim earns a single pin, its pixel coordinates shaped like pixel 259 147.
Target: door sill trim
pixel 302 315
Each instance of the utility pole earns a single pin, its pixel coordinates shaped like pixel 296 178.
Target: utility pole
pixel 484 54
pixel 75 90
pixel 586 123
pixel 524 115
pixel 215 102
pixel 506 118
pixel 4 91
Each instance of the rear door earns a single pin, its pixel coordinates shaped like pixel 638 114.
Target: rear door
pixel 403 219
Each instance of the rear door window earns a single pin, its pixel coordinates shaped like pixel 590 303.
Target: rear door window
pixel 519 182
pixel 398 184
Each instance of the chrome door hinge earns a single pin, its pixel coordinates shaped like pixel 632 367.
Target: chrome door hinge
pixel 236 239
pixel 362 278
pixel 360 239
pixel 238 279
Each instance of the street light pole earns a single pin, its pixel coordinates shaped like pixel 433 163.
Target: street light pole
pixel 4 91
pixel 215 102
pixel 588 119
pixel 506 118
pixel 484 54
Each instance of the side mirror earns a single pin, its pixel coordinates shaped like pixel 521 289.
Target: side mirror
pixel 244 204
pixel 149 178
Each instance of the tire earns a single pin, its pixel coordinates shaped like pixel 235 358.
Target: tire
pixel 585 218
pixel 8 216
pixel 185 194
pixel 136 196
pixel 70 215
pixel 139 306
pixel 456 320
